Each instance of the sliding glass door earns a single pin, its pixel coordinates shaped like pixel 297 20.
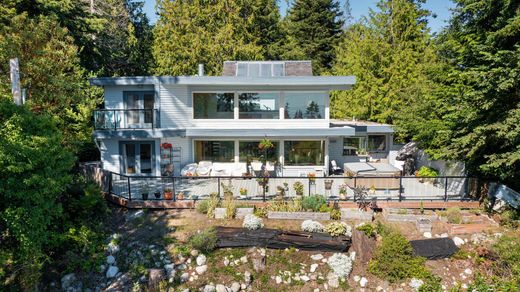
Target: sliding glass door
pixel 139 107
pixel 137 157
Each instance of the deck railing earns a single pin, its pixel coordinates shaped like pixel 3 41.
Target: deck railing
pixel 334 188
pixel 114 119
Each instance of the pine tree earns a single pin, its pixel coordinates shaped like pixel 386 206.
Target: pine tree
pixel 266 27
pixel 202 31
pixel 314 27
pixel 390 54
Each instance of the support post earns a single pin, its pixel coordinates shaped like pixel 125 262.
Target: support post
pixel 173 189
pixel 110 183
pixel 400 188
pixel 129 191
pixel 218 186
pixel 445 189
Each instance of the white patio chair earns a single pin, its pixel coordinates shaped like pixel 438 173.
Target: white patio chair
pixel 334 167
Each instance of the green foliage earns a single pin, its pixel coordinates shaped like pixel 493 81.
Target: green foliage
pixel 510 218
pixel 298 188
pixel 204 241
pixel 203 206
pixel 213 202
pixel 313 203
pixel 335 214
pixel 260 212
pixel 394 260
pixel 508 264
pixel 314 27
pixel 431 283
pixel 454 215
pixel 368 229
pixel 335 229
pixel 426 171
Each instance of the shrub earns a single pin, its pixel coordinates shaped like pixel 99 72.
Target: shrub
pixel 260 212
pixel 229 204
pixel 335 214
pixel 203 207
pixel 426 171
pixel 454 215
pixel 394 260
pixel 312 226
pixel 508 252
pixel 338 228
pixel 252 222
pixel 340 264
pixel 313 203
pixel 213 202
pixel 510 218
pixel 368 229
pixel 205 240
pixel 298 188
pixel 295 205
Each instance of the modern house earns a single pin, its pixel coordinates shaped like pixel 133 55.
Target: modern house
pixel 152 123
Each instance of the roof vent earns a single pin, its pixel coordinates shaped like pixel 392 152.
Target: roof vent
pixel 201 70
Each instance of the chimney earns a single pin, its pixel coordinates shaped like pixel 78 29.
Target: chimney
pixel 201 70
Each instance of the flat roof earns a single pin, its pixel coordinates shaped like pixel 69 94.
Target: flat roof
pixel 329 82
pixel 363 126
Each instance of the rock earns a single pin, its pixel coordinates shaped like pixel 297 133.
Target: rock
pixel 111 259
pixel 201 269
pixel 181 267
pixel 112 248
pixel 67 281
pixel 247 277
pixel 112 271
pixel 209 288
pixel 226 262
pixel 316 290
pixel 416 283
pixel 278 279
pixel 201 260
pixel 220 288
pixel 314 267
pixel 468 271
pixel 363 282
pixel 121 283
pixel 243 286
pixel 184 277
pixel 305 278
pixel 427 234
pixel 259 264
pixel 194 252
pixel 155 276
pixel 333 280
pixel 168 268
pixel 324 260
pixel 444 235
pixel 317 257
pixel 357 278
pixel 458 241
pixel 102 268
pixel 235 287
pixel 379 288
pixel 243 259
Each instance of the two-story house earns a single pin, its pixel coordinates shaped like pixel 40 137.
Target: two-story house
pixel 150 123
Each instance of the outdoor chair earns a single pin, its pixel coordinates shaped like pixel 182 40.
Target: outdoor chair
pixel 335 169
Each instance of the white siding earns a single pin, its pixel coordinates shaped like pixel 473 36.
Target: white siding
pixel 176 109
pixel 110 155
pixel 114 94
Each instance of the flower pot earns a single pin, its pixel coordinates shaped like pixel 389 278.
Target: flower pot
pixel 157 195
pixel 180 196
pixel 342 196
pixel 145 196
pixel 168 195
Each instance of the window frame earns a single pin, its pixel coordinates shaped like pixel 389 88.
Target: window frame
pixel 214 92
pixel 279 93
pixel 326 102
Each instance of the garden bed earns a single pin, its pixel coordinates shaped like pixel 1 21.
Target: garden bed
pixel 298 215
pixel 391 217
pixel 356 214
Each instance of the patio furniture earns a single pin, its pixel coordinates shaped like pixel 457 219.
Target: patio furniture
pixel 335 169
pixel 204 168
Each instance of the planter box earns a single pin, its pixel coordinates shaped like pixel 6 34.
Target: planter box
pixel 298 215
pixel 356 214
pixel 242 212
pixel 220 213
pixel 424 225
pixel 408 217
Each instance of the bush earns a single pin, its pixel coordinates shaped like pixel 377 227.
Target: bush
pixel 204 241
pixel 454 215
pixel 338 228
pixel 213 202
pixel 368 229
pixel 260 212
pixel 312 226
pixel 252 222
pixel 313 203
pixel 426 171
pixel 510 218
pixel 203 207
pixel 230 205
pixel 335 214
pixel 508 251
pixel 394 260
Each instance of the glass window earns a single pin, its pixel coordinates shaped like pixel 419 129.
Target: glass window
pixel 304 152
pixel 215 151
pixel 304 105
pixel 376 143
pixel 249 149
pixel 259 106
pixel 213 105
pixel 354 145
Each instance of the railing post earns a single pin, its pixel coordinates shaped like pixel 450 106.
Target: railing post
pixel 400 188
pixel 445 189
pixel 129 191
pixel 309 185
pixel 355 182
pixel 115 120
pixel 173 189
pixel 264 186
pixel 110 183
pixel 218 186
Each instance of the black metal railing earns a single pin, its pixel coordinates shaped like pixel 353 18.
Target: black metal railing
pixel 334 188
pixel 114 119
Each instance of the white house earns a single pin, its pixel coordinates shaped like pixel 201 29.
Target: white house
pixel 150 123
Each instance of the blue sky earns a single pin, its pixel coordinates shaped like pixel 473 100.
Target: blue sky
pixel 360 8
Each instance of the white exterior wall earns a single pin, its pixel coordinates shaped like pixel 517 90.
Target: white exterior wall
pixel 110 157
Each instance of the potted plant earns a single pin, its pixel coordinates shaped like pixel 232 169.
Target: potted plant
pixel 298 188
pixel 180 196
pixel 145 190
pixel 427 174
pixel 157 194
pixel 168 194
pixel 243 193
pixel 343 192
pixel 280 192
pixel 312 177
pixel 328 184
pixel 265 144
pixel 286 186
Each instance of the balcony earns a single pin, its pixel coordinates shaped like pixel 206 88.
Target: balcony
pixel 116 119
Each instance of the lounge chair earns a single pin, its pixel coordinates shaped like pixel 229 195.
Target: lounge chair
pixel 335 168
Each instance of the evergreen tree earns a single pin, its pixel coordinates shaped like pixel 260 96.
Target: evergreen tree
pixel 391 56
pixel 266 27
pixel 202 31
pixel 314 27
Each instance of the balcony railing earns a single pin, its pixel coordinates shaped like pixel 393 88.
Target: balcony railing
pixel 114 119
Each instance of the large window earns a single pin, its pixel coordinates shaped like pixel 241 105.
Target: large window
pixel 213 105
pixel 376 143
pixel 138 157
pixel 215 151
pixel 259 106
pixel 304 105
pixel 304 152
pixel 249 149
pixel 139 108
pixel 354 145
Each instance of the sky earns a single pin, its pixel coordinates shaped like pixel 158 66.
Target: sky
pixel 359 8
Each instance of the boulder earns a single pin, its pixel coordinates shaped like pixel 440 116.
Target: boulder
pixel 362 245
pixel 67 281
pixel 111 259
pixel 112 272
pixel 247 277
pixel 201 260
pixel 235 287
pixel 317 257
pixel 194 252
pixel 363 282
pixel 220 288
pixel 458 241
pixel 121 283
pixel 209 288
pixel 314 267
pixel 201 269
pixel 155 276
pixel 184 277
